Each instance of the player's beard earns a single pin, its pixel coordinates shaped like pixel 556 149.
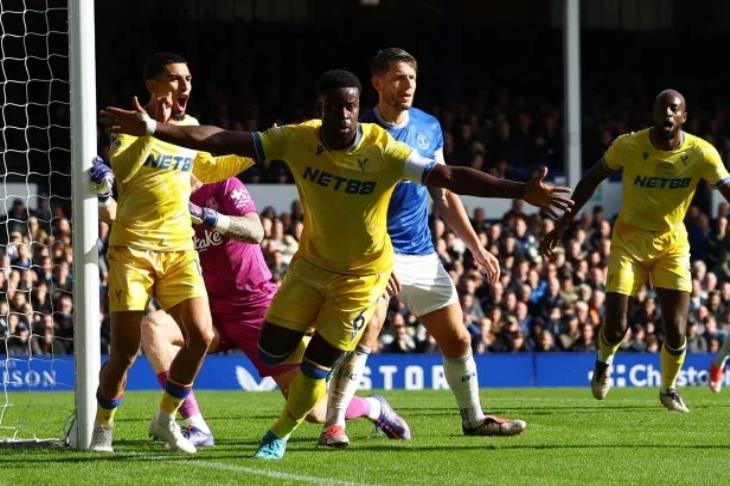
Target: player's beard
pixel 398 105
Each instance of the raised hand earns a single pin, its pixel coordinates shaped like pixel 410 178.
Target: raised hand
pixel 136 122
pixel 160 107
pixel 546 196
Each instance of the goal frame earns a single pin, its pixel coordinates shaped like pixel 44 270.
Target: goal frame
pixel 87 346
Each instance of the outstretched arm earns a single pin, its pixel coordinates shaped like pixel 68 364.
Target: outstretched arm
pixel 205 138
pixel 468 181
pixel 583 191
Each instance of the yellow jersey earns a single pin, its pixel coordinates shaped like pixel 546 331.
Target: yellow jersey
pixel 344 193
pixel 658 185
pixel 153 185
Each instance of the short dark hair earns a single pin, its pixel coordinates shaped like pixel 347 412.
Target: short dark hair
pixel 337 78
pixel 154 64
pixel 383 58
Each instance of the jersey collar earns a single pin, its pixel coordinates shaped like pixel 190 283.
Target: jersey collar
pixel 388 124
pixel 679 147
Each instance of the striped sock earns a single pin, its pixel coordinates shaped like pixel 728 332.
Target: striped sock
pixel 106 409
pixel 307 388
pixel 173 396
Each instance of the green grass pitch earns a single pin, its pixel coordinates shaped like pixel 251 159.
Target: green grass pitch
pixel 570 439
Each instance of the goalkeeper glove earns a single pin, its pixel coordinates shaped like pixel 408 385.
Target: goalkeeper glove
pixel 103 177
pixel 210 218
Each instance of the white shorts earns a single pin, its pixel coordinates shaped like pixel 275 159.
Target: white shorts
pixel 425 284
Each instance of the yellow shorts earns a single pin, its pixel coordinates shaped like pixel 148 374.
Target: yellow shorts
pixel 339 305
pixel 638 254
pixel 136 274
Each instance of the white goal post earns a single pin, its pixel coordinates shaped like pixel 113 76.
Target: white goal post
pixel 82 59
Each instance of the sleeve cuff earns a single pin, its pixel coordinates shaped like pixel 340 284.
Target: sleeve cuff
pixel 721 181
pixel 258 146
pixel 427 171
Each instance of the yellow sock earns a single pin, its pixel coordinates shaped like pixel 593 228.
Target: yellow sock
pixel 173 396
pixel 305 391
pixel 606 350
pixel 106 409
pixel 672 361
pixel 105 416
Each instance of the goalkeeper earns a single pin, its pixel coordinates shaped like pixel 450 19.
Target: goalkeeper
pixel 240 290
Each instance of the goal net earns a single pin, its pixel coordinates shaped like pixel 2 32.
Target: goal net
pixel 37 276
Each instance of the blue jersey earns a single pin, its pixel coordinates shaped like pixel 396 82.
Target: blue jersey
pixel 408 209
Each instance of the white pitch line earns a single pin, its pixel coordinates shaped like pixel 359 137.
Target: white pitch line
pixel 269 474
pixel 220 466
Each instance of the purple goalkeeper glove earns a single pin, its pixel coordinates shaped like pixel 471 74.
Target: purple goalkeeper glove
pixel 101 175
pixel 205 216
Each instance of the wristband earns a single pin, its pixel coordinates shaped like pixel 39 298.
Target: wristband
pixel 150 125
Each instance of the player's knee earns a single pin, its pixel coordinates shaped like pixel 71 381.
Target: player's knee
pixel 675 334
pixel 370 336
pixel 200 340
pixel 462 341
pixel 199 336
pixel 152 328
pixel 277 343
pixel 122 353
pixel 456 344
pixel 322 353
pixel 153 322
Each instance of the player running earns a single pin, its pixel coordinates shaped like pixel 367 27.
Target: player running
pixel 151 252
pixel 345 174
pixel 661 167
pixel 426 288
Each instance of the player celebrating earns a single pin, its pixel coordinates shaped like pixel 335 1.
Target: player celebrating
pixel 227 236
pixel 345 173
pixel 661 167
pixel 151 252
pixel 426 288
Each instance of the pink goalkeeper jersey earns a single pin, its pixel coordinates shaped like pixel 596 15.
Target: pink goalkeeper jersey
pixel 235 273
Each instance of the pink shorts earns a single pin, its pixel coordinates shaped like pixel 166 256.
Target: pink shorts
pixel 240 329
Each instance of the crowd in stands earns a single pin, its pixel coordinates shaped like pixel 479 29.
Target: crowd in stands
pixel 36 281
pixel 509 126
pixel 537 305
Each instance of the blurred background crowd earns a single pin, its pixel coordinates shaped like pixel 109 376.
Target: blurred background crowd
pixel 537 304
